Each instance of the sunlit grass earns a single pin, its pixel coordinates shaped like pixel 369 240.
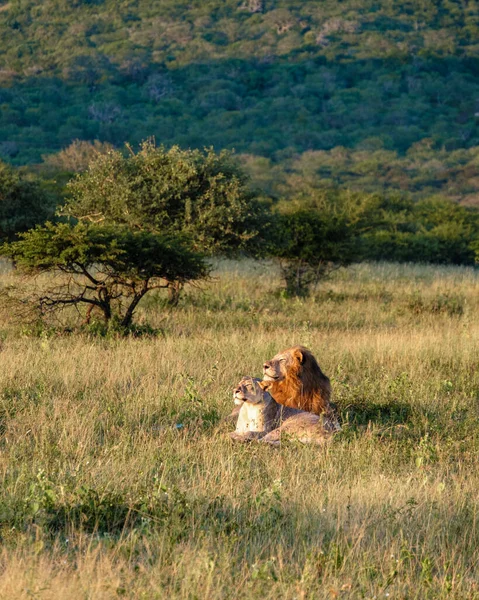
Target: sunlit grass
pixel 118 480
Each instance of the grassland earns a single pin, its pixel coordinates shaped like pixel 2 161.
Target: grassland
pixel 117 479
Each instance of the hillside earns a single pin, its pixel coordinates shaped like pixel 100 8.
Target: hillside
pixel 271 79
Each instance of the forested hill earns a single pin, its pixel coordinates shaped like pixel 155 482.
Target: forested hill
pixel 272 78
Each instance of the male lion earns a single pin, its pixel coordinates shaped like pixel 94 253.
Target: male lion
pixel 297 381
pixel 262 418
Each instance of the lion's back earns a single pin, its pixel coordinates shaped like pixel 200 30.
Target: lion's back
pixel 304 427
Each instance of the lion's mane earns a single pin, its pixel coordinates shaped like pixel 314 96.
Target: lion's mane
pixel 305 386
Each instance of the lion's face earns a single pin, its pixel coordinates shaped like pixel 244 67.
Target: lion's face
pixel 278 367
pixel 250 390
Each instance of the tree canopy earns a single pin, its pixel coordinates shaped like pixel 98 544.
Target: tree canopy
pixel 320 233
pixel 23 203
pixel 202 195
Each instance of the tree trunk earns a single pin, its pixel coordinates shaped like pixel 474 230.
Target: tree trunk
pixel 104 302
pixel 174 292
pixel 106 309
pixel 128 317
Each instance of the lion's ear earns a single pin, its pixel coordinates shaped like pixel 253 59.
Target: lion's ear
pixel 298 355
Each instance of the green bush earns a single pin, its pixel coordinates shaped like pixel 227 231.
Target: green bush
pixel 434 230
pixel 201 195
pixel 318 235
pixel 23 203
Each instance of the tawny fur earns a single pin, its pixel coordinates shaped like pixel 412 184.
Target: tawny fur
pixel 262 418
pixel 296 381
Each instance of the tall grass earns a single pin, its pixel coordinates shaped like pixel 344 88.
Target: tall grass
pixel 118 479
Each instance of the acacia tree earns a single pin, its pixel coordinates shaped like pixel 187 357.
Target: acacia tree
pixel 319 234
pixel 201 195
pixel 109 268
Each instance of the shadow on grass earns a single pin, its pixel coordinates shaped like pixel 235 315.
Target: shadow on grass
pixel 362 414
pixel 47 506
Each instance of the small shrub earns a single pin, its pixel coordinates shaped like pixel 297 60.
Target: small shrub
pixel 452 305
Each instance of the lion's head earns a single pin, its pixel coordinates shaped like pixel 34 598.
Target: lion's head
pixel 284 363
pixel 250 390
pixel 296 380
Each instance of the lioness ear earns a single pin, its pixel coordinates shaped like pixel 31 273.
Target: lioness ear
pixel 264 385
pixel 298 355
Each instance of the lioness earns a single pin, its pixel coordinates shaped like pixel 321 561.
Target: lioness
pixel 262 418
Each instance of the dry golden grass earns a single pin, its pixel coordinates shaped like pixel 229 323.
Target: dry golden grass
pixel 118 480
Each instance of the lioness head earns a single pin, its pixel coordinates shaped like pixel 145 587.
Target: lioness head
pixel 251 390
pixel 280 365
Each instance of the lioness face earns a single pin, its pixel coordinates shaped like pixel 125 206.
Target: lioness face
pixel 249 390
pixel 277 368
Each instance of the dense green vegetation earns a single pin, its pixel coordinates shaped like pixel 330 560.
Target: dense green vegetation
pixel 422 171
pixel 23 202
pixel 377 98
pixel 147 219
pixel 202 195
pixel 354 85
pixel 320 233
pixel 432 230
